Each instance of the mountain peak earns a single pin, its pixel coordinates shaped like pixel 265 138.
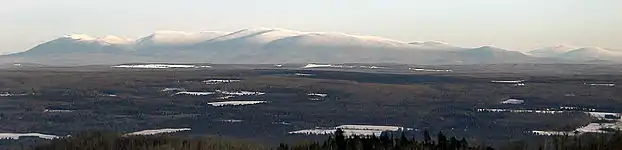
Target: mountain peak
pixel 490 48
pixel 111 39
pixel 80 37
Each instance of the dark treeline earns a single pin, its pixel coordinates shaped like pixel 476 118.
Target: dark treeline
pixel 386 142
pixel 113 141
pixel 338 141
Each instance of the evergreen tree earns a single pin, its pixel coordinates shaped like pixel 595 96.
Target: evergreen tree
pixel 340 139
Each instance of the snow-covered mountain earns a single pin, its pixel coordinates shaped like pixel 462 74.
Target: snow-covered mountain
pixel 80 43
pixel 273 45
pixel 592 53
pixel 589 54
pixel 175 39
pixel 552 51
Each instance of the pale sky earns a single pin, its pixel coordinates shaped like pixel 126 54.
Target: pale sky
pixel 510 24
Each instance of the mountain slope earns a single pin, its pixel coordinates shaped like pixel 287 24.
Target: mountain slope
pixel 486 55
pixel 552 51
pixel 174 39
pixel 272 45
pixel 79 43
pixel 592 53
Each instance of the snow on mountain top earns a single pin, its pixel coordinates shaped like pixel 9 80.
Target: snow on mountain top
pixel 261 35
pixel 429 43
pixel 168 37
pixel 108 39
pixel 114 39
pixel 80 37
pixel 551 51
pixel 322 39
pixel 434 45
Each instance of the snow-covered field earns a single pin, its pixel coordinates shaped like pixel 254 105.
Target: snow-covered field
pixel 173 89
pixel 601 84
pixel 194 93
pixel 603 115
pixel 8 94
pixel 513 101
pixel 231 121
pixel 15 136
pixel 589 128
pixel 240 93
pixel 317 66
pixel 372 67
pixel 370 127
pixel 58 110
pixel 317 94
pixel 340 66
pixel 159 66
pixel 508 81
pixel 350 130
pixel 235 103
pixel 522 111
pixel 158 131
pixel 218 81
pixel 303 74
pixel 430 70
pixel 554 133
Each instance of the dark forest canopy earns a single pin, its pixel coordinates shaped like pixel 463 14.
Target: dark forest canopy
pixel 337 141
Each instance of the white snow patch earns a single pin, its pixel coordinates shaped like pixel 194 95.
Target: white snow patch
pixel 327 66
pixel 58 110
pixel 603 115
pixel 508 81
pixel 318 94
pixel 173 89
pixel 8 94
pixel 370 127
pixel 601 84
pixel 513 101
pixel 82 37
pixel 194 93
pixel 303 74
pixel 554 133
pixel 430 70
pixel 568 108
pixel 235 103
pixel 159 66
pixel 240 93
pixel 522 111
pixel 231 121
pixel 372 67
pixel 15 136
pixel 317 66
pixel 158 131
pixel 350 130
pixel 597 127
pixel 217 81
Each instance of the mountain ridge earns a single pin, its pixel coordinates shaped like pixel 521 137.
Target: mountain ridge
pixel 274 45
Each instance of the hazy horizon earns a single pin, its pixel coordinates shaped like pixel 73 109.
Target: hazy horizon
pixel 514 25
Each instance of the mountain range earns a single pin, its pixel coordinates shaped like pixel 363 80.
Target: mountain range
pixel 272 45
